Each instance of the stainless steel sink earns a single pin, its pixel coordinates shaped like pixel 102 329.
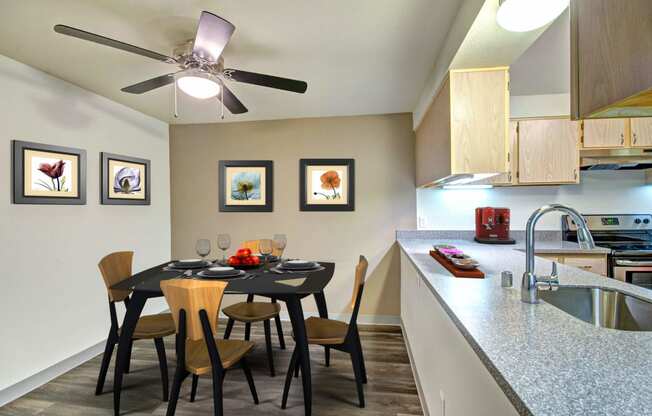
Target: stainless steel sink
pixel 604 308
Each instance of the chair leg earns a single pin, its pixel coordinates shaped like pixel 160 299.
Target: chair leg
pixel 327 356
pixel 217 394
pixel 296 370
pixel 106 360
pixel 193 389
pixel 163 365
pixel 247 331
pixel 357 371
pixel 279 329
pixel 268 343
pixel 250 379
pixel 179 375
pixel 128 367
pixel 362 366
pixel 288 378
pixel 229 327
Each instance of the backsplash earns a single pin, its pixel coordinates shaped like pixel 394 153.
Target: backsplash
pixel 599 193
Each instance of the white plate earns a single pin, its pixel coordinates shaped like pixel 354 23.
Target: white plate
pixel 297 262
pixel 221 269
pixel 189 261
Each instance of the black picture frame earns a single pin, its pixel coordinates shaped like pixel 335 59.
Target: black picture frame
pixel 105 198
pixel 303 201
pixel 18 174
pixel 269 185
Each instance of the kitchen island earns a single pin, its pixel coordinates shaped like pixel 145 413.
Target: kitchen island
pixel 478 350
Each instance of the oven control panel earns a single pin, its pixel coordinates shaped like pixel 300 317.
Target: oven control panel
pixel 611 222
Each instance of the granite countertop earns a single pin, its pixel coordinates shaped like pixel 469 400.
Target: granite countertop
pixel 546 361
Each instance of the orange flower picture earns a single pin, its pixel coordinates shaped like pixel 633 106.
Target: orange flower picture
pixel 326 184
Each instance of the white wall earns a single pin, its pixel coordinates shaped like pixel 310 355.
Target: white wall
pixel 53 302
pixel 599 193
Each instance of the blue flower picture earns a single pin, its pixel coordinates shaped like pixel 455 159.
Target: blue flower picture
pixel 245 186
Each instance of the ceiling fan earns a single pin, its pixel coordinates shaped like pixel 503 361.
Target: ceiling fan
pixel 201 71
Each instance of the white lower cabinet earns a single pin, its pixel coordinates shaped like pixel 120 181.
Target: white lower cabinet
pixel 452 380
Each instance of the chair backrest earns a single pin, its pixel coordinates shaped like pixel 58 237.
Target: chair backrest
pixel 193 296
pixel 115 268
pixel 360 274
pixel 253 246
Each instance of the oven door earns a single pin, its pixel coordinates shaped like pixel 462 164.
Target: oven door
pixel 636 272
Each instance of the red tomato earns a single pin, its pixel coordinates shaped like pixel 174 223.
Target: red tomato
pixel 234 261
pixel 256 260
pixel 243 252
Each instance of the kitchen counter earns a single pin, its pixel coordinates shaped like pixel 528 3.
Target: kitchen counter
pixel 546 361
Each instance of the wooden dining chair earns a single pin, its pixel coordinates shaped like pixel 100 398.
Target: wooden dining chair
pixel 195 305
pixel 251 312
pixel 338 335
pixel 115 268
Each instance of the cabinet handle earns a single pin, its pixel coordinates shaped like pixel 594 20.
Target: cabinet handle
pixel 575 173
pixel 622 139
pixel 586 267
pixel 634 138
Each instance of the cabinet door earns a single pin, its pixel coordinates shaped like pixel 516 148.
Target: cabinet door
pixel 479 121
pixel 604 133
pixel 594 264
pixel 509 178
pixel 642 132
pixel 548 151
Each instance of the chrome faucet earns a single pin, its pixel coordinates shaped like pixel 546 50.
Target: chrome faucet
pixel 530 280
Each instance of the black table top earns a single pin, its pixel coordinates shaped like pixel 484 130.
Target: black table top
pixel 149 281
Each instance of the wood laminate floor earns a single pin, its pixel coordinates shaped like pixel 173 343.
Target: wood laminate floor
pixel 391 388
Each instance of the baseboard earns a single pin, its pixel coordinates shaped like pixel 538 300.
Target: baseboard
pixel 23 387
pixel 422 398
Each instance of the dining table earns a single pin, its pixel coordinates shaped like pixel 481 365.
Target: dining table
pixel 289 287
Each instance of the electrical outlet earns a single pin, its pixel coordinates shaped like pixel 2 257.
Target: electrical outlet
pixel 421 222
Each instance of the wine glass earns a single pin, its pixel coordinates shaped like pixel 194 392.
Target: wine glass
pixel 280 242
pixel 203 248
pixel 265 246
pixel 223 242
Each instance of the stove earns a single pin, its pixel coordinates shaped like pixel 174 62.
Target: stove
pixel 629 237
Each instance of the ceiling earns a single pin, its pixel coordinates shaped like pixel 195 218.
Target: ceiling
pixel 545 67
pixel 358 57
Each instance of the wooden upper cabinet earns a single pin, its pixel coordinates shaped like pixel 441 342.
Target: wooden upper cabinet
pixel 465 130
pixel 548 151
pixel 641 132
pixel 509 178
pixel 479 121
pixel 604 134
pixel 611 58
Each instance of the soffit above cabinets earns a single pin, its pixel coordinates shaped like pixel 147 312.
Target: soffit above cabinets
pixel 361 57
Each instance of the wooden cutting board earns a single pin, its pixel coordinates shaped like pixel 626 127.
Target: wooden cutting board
pixel 470 274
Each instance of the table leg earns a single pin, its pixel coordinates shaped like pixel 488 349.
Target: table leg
pixel 320 300
pixel 126 332
pixel 299 327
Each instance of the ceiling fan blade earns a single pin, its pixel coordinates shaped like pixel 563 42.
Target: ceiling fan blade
pixel 231 101
pixel 213 33
pixel 102 40
pixel 267 80
pixel 150 84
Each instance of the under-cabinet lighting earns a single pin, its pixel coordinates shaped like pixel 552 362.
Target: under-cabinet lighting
pixel 526 15
pixel 466 187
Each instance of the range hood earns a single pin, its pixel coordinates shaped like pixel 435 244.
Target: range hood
pixel 616 159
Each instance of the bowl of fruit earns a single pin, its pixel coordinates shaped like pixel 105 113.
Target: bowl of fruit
pixel 243 259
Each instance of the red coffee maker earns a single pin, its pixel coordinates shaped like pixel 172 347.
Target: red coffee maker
pixel 492 226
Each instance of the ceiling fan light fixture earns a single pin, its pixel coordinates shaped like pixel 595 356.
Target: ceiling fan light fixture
pixel 527 15
pixel 198 85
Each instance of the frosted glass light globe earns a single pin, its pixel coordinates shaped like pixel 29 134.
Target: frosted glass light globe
pixel 526 15
pixel 198 86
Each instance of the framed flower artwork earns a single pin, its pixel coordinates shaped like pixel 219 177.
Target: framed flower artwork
pixel 327 184
pixel 125 180
pixel 48 174
pixel 246 185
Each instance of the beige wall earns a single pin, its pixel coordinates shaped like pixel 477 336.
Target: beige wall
pixel 383 149
pixel 53 302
